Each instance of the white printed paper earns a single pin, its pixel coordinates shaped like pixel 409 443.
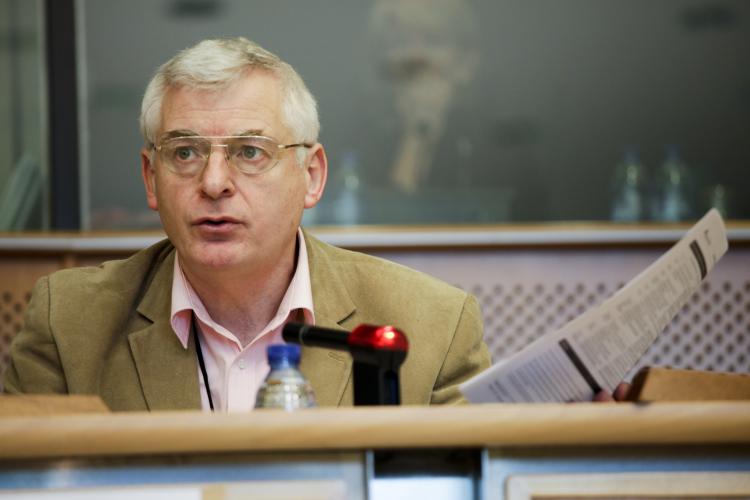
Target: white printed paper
pixel 595 350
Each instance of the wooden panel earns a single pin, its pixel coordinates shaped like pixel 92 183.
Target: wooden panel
pixel 664 384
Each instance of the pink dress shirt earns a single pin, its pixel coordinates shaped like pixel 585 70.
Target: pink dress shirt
pixel 235 374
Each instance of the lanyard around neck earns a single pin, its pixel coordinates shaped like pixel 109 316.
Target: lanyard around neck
pixel 199 352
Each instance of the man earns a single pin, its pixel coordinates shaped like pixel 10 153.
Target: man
pixel 231 161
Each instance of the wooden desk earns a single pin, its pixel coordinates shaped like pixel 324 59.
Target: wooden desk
pixel 481 426
pixel 495 448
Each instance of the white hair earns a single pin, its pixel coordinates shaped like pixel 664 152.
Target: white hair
pixel 215 64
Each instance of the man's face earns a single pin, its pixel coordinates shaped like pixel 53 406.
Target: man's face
pixel 222 220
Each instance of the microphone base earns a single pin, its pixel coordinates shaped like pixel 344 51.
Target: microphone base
pixel 375 386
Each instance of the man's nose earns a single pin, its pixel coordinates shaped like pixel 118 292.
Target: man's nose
pixel 216 178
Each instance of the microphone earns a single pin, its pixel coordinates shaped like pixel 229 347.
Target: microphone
pixel 300 333
pixel 377 354
pixel 385 338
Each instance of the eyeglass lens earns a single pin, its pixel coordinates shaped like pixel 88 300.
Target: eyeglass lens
pixel 188 155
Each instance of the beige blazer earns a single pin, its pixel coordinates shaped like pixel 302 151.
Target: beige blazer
pixel 106 330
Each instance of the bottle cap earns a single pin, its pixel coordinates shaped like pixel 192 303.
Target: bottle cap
pixel 283 354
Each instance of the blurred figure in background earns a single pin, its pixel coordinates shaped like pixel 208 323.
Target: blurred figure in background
pixel 427 53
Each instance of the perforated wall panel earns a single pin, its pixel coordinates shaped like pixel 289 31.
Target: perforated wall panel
pixel 525 294
pixel 12 306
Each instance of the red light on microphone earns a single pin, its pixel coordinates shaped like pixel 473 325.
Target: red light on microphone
pixel 379 337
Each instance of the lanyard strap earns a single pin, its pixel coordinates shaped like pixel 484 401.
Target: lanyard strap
pixel 199 352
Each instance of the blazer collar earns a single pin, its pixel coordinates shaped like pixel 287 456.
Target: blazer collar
pixel 327 370
pixel 167 371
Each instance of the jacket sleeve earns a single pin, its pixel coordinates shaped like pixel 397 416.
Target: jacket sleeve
pixel 467 355
pixel 34 360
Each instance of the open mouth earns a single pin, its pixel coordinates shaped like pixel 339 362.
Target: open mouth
pixel 216 224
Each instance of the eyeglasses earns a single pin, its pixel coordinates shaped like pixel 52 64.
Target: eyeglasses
pixel 251 154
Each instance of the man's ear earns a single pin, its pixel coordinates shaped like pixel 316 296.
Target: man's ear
pixel 149 179
pixel 316 173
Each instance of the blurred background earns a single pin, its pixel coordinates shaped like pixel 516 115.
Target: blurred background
pixel 433 111
pixel 535 153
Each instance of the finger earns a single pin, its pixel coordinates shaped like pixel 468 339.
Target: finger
pixel 603 397
pixel 621 391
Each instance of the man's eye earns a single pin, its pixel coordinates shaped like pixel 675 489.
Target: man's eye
pixel 250 153
pixel 184 153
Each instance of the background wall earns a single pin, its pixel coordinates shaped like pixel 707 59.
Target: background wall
pixel 544 98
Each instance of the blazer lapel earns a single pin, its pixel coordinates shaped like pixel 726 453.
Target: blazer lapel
pixel 327 370
pixel 167 371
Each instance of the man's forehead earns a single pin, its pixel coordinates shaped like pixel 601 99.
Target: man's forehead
pixel 251 105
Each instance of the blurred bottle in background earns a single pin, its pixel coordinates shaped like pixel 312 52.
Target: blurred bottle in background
pixel 672 190
pixel 347 208
pixel 718 198
pixel 629 189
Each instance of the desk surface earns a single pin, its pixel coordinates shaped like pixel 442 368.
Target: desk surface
pixel 97 434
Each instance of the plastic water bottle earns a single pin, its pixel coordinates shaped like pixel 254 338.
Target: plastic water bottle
pixel 285 387
pixel 718 198
pixel 628 186
pixel 673 188
pixel 348 209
